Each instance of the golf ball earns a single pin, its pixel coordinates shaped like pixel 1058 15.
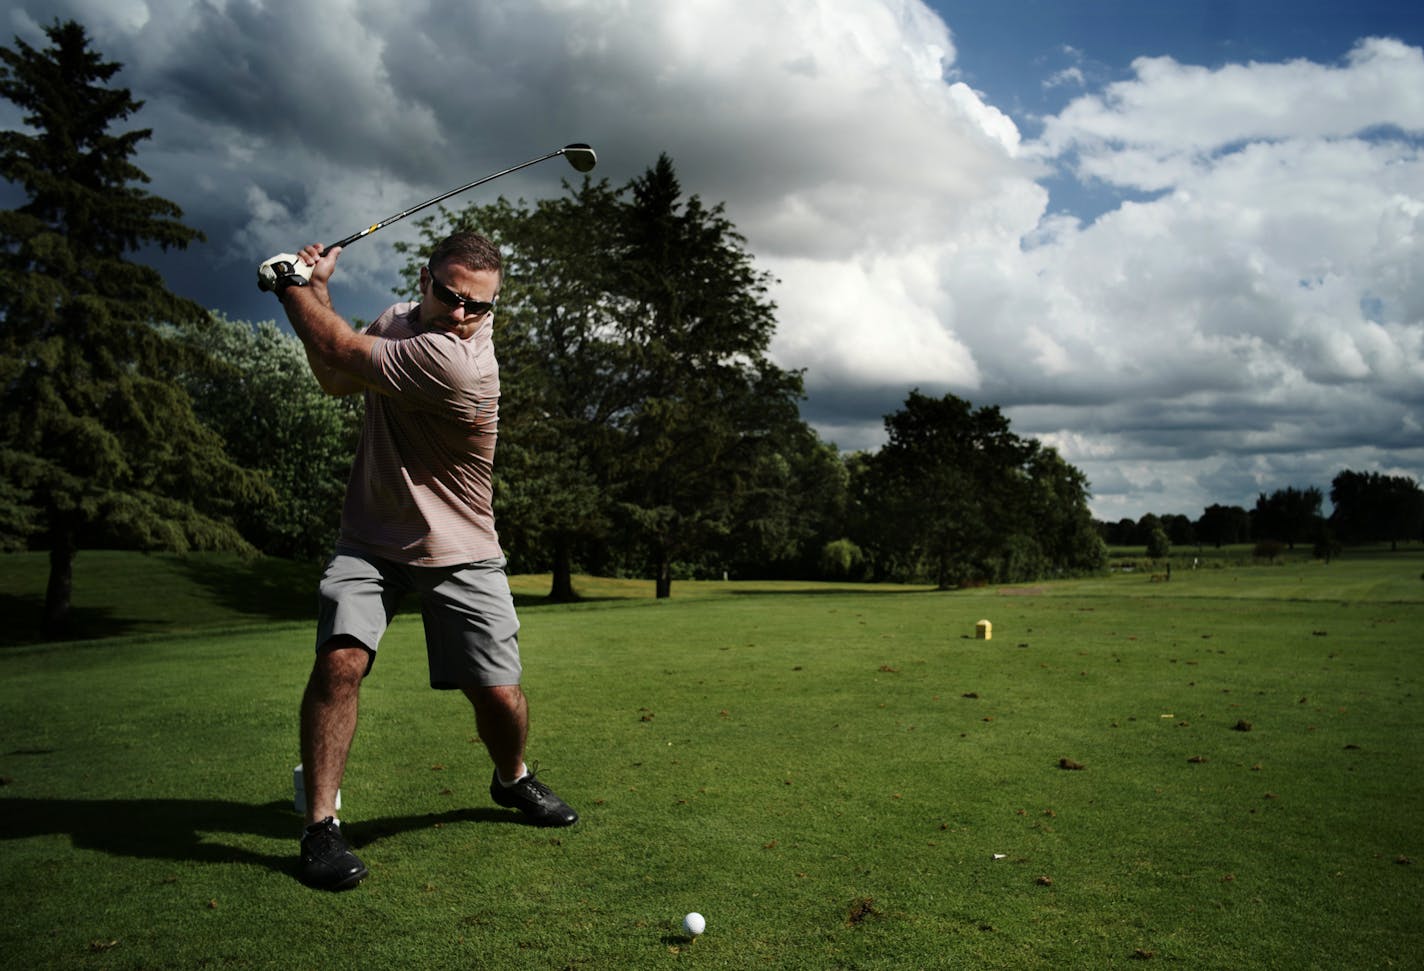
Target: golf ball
pixel 694 924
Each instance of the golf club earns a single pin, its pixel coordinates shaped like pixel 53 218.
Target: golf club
pixel 579 155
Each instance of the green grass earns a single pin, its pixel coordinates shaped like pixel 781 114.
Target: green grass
pixel 826 773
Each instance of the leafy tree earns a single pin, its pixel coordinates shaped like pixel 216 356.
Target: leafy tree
pixel 797 508
pixel 1158 544
pixel 1268 549
pixel 98 441
pixel 711 408
pixel 961 498
pixel 256 390
pixel 1371 507
pixel 1061 522
pixel 1289 515
pixel 1181 531
pixel 865 520
pixel 1220 525
pixel 841 560
pixel 930 479
pixel 1327 544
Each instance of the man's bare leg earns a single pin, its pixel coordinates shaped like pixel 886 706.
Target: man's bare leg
pixel 329 708
pixel 502 716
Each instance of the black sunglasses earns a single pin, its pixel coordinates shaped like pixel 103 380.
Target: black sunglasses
pixel 473 308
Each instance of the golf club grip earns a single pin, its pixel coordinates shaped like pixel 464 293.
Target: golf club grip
pixel 350 239
pixel 342 242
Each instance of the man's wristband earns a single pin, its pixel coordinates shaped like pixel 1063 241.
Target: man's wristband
pixel 287 276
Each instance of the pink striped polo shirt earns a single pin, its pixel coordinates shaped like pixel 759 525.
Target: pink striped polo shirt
pixel 420 490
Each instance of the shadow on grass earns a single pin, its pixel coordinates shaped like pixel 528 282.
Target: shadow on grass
pixel 525 601
pixel 190 829
pixel 374 830
pixel 156 829
pixel 24 615
pixel 286 590
pixel 266 587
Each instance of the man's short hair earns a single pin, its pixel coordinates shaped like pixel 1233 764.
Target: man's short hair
pixel 470 250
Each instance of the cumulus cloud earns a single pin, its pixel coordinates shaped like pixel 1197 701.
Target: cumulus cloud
pixel 1268 295
pixel 1171 108
pixel 1250 316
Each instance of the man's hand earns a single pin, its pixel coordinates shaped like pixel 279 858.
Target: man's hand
pixel 317 264
pixel 282 271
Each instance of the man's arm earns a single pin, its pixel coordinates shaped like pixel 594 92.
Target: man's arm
pixel 332 381
pixel 340 357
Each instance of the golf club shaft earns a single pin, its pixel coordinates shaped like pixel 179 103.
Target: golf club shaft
pixel 440 198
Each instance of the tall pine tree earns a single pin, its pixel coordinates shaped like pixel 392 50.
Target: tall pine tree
pixel 98 442
pixel 700 448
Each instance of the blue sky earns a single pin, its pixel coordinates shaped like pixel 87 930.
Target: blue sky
pixel 1179 241
pixel 1010 49
pixel 1017 52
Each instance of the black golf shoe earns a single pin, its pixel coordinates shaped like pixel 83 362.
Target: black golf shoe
pixel 327 860
pixel 536 800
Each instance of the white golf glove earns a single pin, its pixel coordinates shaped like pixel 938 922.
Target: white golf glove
pixel 282 271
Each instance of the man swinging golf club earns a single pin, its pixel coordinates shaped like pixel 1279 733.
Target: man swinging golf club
pixel 417 519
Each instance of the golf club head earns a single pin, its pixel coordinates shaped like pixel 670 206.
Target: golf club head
pixel 580 156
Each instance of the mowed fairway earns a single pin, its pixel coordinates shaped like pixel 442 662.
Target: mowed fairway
pixel 836 777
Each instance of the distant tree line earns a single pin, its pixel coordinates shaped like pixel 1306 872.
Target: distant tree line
pixel 1367 507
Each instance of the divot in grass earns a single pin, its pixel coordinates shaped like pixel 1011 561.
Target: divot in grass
pixel 860 910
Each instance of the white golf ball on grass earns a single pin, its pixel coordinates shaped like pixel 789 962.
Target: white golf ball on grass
pixel 693 924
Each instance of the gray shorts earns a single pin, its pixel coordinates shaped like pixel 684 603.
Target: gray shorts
pixel 471 631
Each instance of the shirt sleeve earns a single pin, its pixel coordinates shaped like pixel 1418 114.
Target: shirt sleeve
pixel 431 372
